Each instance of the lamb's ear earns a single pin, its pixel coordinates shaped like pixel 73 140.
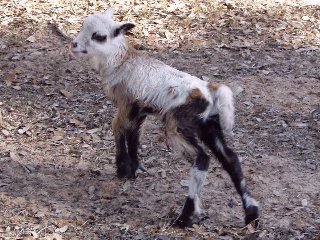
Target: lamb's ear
pixel 123 29
pixel 109 12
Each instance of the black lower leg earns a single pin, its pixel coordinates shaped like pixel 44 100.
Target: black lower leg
pixel 132 136
pixel 212 135
pixel 123 161
pixel 197 177
pixel 136 116
pixel 184 220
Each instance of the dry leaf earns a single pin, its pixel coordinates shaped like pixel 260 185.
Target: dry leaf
pixel 14 156
pixel 10 77
pixel 61 230
pixel 48 82
pixel 5 132
pixel 298 124
pixel 95 130
pixel 23 130
pixel 2 122
pixel 55 236
pixel 66 93
pixel 75 121
pixel 16 87
pixel 61 223
pixel 31 39
pixel 59 133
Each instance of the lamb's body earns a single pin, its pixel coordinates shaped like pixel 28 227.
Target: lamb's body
pixel 158 84
pixel 162 87
pixel 192 110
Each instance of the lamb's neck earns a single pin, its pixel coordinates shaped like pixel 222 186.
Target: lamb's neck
pixel 110 66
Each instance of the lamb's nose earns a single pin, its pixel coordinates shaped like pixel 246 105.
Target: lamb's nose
pixel 74 44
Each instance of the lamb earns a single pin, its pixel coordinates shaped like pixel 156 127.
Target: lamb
pixel 194 112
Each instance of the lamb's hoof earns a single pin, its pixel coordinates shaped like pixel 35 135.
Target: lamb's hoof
pixel 125 171
pixel 183 222
pixel 200 218
pixel 252 216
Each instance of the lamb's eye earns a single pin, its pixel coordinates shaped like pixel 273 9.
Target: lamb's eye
pixel 99 38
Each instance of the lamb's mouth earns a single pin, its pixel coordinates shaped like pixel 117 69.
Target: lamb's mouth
pixel 76 53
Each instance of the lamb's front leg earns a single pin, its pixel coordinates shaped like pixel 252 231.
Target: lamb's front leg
pixel 136 117
pixel 123 160
pixel 126 127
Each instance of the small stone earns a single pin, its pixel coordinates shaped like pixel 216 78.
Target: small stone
pixel 304 202
pixel 91 190
pixel 29 169
pixel 16 57
pixel 163 174
pixel 205 78
pixel 305 18
pixel 258 119
pixel 237 90
pixel 184 183
pixel 56 236
pixel 276 193
pixel 248 103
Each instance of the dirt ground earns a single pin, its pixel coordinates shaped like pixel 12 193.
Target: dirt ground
pixel 57 172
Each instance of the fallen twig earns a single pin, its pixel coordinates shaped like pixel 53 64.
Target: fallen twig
pixel 56 29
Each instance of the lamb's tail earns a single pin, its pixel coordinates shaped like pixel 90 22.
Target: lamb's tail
pixel 223 105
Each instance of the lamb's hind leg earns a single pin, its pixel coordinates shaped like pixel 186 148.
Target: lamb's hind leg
pixel 198 175
pixel 187 143
pixel 212 135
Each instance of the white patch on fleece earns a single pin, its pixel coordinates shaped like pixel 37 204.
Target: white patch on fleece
pixel 158 84
pixel 197 208
pixel 249 201
pixel 220 147
pixel 226 107
pixel 243 184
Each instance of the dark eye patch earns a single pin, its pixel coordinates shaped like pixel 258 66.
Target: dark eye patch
pixel 99 38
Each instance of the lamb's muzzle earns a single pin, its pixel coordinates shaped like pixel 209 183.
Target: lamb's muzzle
pixel 193 111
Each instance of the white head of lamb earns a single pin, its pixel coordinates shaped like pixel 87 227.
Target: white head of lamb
pixel 100 37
